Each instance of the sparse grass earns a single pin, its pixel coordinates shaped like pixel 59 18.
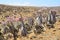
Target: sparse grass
pixel 49 34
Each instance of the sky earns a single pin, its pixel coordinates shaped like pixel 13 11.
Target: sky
pixel 31 2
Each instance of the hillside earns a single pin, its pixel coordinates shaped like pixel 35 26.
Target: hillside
pixel 6 10
pixel 28 11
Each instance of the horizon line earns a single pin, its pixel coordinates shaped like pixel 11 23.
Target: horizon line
pixel 30 5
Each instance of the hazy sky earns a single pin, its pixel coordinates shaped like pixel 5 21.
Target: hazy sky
pixel 31 2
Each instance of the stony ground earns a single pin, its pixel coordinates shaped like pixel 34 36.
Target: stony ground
pixel 49 34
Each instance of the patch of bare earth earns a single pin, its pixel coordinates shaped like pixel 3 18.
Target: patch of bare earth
pixel 49 34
